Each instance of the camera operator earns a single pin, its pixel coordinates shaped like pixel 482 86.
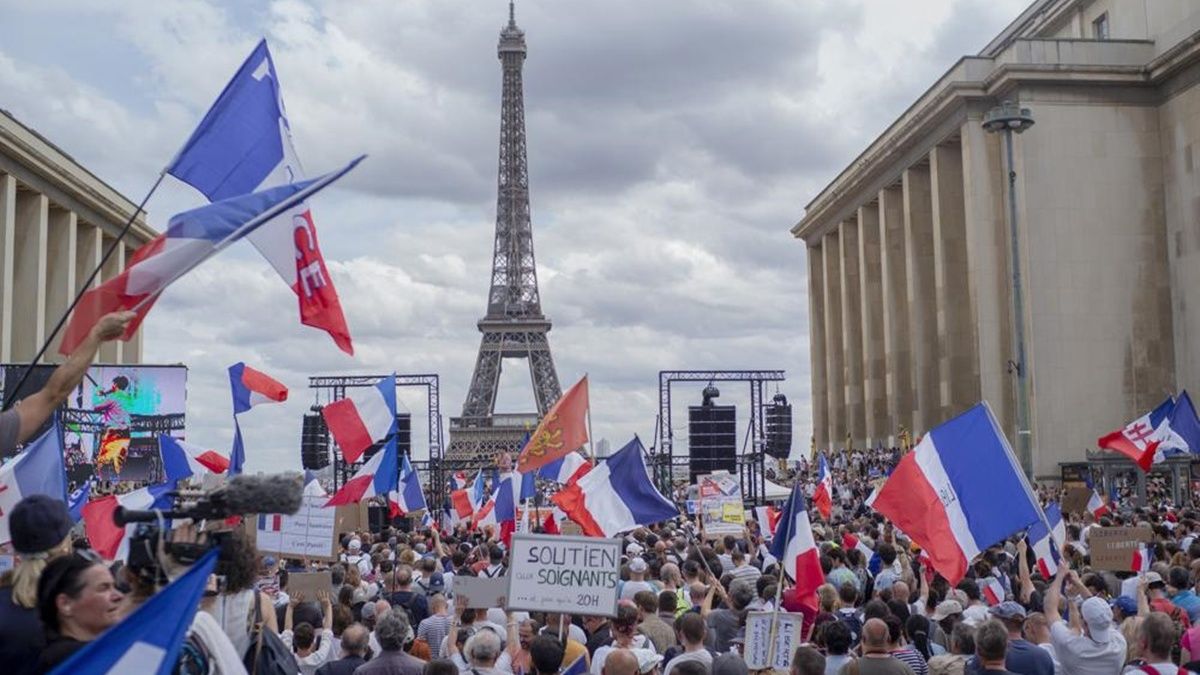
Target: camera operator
pixel 77 601
pixel 40 527
pixel 21 421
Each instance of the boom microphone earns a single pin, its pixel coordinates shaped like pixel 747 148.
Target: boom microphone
pixel 280 493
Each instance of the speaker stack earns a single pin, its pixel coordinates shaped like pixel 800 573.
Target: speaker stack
pixel 314 442
pixel 712 436
pixel 779 427
pixel 403 438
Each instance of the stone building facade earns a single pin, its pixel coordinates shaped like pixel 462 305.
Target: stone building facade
pixel 911 315
pixel 56 221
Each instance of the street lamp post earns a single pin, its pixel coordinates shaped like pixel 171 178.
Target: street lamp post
pixel 1009 118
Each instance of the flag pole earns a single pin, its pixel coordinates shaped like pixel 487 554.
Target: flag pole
pixel 11 396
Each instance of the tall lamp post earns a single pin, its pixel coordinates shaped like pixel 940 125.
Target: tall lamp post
pixel 1009 118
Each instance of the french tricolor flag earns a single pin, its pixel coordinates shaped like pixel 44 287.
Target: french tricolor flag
pixel 823 494
pixel 365 417
pixel 794 546
pixel 184 460
pixel 253 387
pixel 566 469
pixel 616 496
pixel 1096 505
pixel 410 497
pixel 1047 537
pixel 1143 557
pixel 109 540
pixel 959 491
pixel 379 477
pixel 458 480
pixel 767 517
pixel 38 470
pixel 849 541
pixel 270 522
pixel 992 591
pixel 192 237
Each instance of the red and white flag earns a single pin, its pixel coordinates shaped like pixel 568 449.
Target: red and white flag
pixel 823 494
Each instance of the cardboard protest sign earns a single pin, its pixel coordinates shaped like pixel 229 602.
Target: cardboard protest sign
pixel 480 592
pixel 1076 500
pixel 308 584
pixel 555 573
pixel 1112 548
pixel 758 643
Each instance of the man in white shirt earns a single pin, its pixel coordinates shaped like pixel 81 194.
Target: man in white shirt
pixel 1090 645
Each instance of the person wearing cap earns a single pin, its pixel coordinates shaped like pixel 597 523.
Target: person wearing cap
pixel 637 580
pixel 1156 591
pixel 947 614
pixel 1089 645
pixel 40 528
pixel 355 556
pixel 19 423
pixel 1022 657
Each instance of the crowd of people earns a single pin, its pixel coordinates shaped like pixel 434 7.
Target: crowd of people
pixel 685 598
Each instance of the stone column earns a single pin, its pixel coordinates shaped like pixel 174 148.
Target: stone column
pixel 816 333
pixel 29 275
pixel 986 241
pixel 957 359
pixel 834 356
pixel 8 220
pixel 89 250
pixel 922 318
pixel 897 349
pixel 60 273
pixel 110 352
pixel 871 288
pixel 852 333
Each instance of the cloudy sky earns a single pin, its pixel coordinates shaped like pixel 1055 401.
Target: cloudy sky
pixel 672 144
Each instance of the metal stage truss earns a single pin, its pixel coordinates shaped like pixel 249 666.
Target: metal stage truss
pixel 751 465
pixel 335 386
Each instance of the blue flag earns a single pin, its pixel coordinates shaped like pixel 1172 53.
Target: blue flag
pixel 38 470
pixel 1185 423
pixel 77 500
pixel 149 640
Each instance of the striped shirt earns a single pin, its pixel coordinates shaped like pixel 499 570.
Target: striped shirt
pixel 433 630
pixel 747 572
pixel 913 659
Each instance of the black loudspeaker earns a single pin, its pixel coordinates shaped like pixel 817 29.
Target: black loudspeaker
pixel 403 438
pixel 712 439
pixel 779 427
pixel 377 518
pixel 314 442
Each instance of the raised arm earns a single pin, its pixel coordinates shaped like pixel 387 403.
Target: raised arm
pixel 1023 571
pixel 36 408
pixel 326 610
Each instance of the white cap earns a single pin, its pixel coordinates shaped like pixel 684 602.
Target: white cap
pixel 354 545
pixel 1099 617
pixel 638 566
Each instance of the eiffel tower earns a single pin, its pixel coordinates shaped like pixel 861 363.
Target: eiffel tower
pixel 514 326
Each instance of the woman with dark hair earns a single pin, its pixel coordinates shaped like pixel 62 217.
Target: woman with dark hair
pixel 233 608
pixel 917 628
pixel 77 601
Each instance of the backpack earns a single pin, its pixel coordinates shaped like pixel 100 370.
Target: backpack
pixel 851 621
pixel 267 654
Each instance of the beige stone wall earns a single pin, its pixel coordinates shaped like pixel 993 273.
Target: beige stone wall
pixel 1098 290
pixel 1179 123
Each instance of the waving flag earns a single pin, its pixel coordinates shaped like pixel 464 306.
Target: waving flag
pixel 959 491
pixel 1046 538
pixel 250 387
pixel 244 143
pixel 105 536
pixel 1096 505
pixel 410 497
pixel 379 477
pixel 192 237
pixel 458 480
pixel 184 460
pixel 793 545
pixel 77 500
pixel 365 417
pixel 562 430
pixel 1185 423
pixel 148 640
pixel 992 590
pixel 1147 439
pixel 823 495
pixel 1143 558
pixel 767 517
pixel 616 496
pixel 312 486
pixel 566 469
pixel 38 470
pixel 851 542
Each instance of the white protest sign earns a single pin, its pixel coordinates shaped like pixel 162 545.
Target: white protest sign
pixel 557 573
pixel 308 533
pixel 721 508
pixel 758 642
